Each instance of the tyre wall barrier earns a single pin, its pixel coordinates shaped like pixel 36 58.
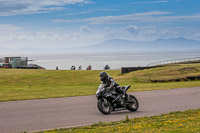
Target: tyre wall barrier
pixel 131 69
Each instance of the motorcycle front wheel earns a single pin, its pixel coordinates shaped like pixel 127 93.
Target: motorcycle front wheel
pixel 134 105
pixel 104 106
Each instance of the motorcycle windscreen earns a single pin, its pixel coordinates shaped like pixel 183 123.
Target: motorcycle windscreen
pixel 100 88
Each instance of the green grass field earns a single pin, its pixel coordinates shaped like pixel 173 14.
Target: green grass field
pixel 174 122
pixel 18 84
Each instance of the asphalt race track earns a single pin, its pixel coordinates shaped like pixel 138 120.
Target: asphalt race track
pixel 43 114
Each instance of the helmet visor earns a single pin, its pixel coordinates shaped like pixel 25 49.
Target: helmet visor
pixel 102 78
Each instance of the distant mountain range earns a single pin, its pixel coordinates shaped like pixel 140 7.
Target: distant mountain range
pixel 159 44
pixel 115 45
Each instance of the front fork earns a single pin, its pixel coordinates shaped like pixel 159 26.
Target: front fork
pixel 126 96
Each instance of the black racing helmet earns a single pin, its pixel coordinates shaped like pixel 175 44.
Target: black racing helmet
pixel 103 76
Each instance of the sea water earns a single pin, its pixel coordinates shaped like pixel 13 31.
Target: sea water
pixel 99 60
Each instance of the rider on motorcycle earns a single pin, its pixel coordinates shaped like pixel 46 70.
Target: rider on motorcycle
pixel 112 85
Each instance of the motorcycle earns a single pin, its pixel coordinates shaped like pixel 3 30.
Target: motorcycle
pixel 108 100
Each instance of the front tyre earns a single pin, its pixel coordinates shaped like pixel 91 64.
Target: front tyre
pixel 134 104
pixel 104 106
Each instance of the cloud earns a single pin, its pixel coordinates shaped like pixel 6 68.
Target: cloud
pixel 144 33
pixel 106 10
pixel 146 17
pixel 150 2
pixel 84 29
pixel 110 33
pixel 133 29
pixel 8 28
pixel 178 18
pixel 197 34
pixel 19 37
pixel 117 19
pixel 89 11
pixel 22 7
pixel 76 13
pixel 168 32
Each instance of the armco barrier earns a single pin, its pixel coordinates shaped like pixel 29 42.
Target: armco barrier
pixel 161 64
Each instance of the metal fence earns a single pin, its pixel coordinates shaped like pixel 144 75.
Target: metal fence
pixel 160 63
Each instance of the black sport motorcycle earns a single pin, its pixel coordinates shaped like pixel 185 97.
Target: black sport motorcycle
pixel 108 100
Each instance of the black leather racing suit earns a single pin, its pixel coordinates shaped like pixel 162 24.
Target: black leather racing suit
pixel 111 84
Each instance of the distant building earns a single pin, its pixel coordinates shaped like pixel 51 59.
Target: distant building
pixel 19 62
pixel 16 62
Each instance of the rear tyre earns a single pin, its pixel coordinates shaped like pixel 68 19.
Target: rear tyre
pixel 134 105
pixel 104 106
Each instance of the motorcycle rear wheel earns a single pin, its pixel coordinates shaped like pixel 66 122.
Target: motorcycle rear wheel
pixel 104 106
pixel 133 106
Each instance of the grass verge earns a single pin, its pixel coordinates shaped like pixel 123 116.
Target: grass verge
pixel 16 84
pixel 174 122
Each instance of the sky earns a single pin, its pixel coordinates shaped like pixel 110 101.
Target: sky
pixel 75 23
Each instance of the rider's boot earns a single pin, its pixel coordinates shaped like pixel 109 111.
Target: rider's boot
pixel 120 100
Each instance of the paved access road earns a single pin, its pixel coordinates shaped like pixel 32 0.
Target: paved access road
pixel 36 115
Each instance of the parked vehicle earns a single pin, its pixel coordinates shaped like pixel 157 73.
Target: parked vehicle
pixel 5 65
pixel 107 100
